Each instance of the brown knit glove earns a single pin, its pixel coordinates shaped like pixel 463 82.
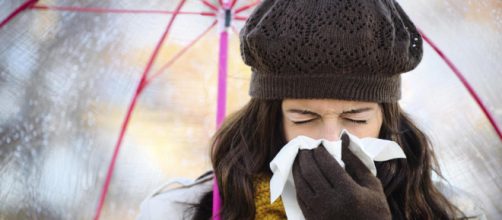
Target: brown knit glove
pixel 326 191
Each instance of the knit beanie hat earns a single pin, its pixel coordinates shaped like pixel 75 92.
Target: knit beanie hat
pixel 341 49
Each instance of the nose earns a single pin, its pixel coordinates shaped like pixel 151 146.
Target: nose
pixel 331 131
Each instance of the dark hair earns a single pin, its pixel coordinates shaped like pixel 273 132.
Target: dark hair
pixel 251 137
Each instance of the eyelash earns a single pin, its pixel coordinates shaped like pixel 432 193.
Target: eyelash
pixel 357 121
pixel 351 120
pixel 302 122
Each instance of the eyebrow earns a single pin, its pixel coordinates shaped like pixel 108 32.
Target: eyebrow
pixel 307 112
pixel 355 111
pixel 303 112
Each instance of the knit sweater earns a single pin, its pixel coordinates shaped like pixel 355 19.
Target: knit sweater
pixel 264 209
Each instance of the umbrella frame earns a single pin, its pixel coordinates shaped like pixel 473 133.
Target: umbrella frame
pixel 226 9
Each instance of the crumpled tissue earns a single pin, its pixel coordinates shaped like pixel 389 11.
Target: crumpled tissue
pixel 366 149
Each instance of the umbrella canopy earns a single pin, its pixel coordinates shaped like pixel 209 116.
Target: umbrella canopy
pixel 75 74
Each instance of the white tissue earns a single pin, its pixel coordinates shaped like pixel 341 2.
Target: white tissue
pixel 367 150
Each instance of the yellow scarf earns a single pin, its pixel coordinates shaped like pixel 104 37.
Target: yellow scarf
pixel 265 210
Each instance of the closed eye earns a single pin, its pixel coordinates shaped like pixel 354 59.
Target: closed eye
pixel 357 121
pixel 303 122
pixel 348 119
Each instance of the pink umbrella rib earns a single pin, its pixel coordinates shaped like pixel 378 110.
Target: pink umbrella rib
pixel 246 7
pixel 125 124
pixel 221 3
pixel 208 4
pixel 118 11
pixel 464 82
pixel 240 18
pixel 17 11
pixel 179 54
pixel 232 5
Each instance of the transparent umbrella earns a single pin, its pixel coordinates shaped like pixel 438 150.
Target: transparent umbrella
pixel 134 89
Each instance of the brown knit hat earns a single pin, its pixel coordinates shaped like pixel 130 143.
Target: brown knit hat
pixel 342 49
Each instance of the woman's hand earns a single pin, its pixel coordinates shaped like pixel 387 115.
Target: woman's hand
pixel 326 191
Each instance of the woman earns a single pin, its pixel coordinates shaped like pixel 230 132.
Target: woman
pixel 319 67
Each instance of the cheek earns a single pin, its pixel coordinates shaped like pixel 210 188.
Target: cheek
pixel 361 131
pixel 291 130
pixel 372 129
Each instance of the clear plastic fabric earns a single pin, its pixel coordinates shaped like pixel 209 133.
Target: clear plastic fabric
pixel 67 79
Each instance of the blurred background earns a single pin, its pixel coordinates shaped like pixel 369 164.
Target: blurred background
pixel 67 78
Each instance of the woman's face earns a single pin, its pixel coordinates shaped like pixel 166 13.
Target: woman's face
pixel 326 118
